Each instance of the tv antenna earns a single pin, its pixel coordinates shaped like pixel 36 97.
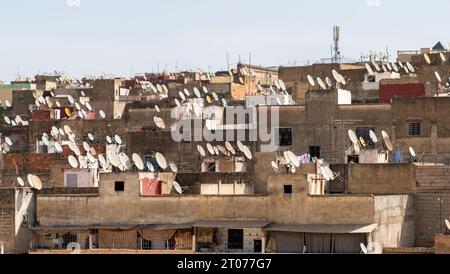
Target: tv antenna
pixel 336 50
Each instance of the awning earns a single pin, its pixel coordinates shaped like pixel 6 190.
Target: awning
pixel 325 229
pixel 115 227
pixel 232 224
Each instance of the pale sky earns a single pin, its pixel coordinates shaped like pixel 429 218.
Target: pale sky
pixel 118 36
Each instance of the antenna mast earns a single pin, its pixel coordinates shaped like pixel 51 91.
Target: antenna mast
pixel 336 50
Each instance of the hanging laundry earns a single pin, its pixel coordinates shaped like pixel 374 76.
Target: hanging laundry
pixel 398 157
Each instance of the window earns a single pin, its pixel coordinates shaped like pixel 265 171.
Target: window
pixel 284 137
pixel 257 246
pixel 68 238
pixel 235 239
pixel 119 186
pixel 414 129
pixel 288 189
pixel 371 78
pixel 146 245
pixel 71 180
pixel 364 133
pixel 314 151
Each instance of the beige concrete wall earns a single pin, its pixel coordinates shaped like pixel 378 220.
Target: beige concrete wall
pixel 381 178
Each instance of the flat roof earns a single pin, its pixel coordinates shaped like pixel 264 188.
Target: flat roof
pixel 325 228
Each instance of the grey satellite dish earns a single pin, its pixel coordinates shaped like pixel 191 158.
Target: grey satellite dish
pixel 373 136
pixel 329 82
pixel 102 114
pixel 91 137
pixel 201 151
pixel 20 182
pixel 118 139
pixel 177 187
pixel 161 160
pixel 58 147
pixel 8 141
pixel 247 152
pixel 125 161
pixel 7 120
pixel 230 148
pixel 73 161
pixel 210 149
pixel 173 167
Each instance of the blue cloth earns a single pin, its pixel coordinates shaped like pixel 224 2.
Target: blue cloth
pixel 398 157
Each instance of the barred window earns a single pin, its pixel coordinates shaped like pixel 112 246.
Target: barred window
pixel 414 129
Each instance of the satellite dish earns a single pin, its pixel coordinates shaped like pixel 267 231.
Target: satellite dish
pixel 363 249
pixel 325 173
pixel 161 160
pixel 275 166
pixel 18 119
pixel 376 66
pixel 277 85
pixel 321 83
pixel 82 102
pixel 20 181
pixel 223 150
pixel 182 96
pixel 216 150
pixel 427 58
pixel 73 161
pixel 157 109
pixel 72 137
pixel 373 136
pixel 102 160
pixel 209 99
pixel 210 149
pixel 7 120
pixel 114 159
pixel 336 75
pixel 86 147
pixel 329 173
pixel 91 157
pixel 77 106
pixel 383 67
pixel 88 106
pixel 150 167
pixel 387 141
pixel 138 161
pixel 197 92
pixel 159 88
pixel 356 148
pixel 247 152
pixel 173 167
pixel 159 122
pixel 410 67
pixel 93 152
pixel 329 82
pixel 215 96
pixel 282 84
pixel 13 123
pixel 205 90
pixel 81 114
pixel 58 147
pixel 186 92
pixel 177 187
pixel 71 145
pixel 442 57
pixel 352 136
pixel 438 77
pixel 108 139
pixel 240 146
pixel 447 223
pixel 389 67
pixel 224 102
pixel 83 94
pixel 8 103
pixel 102 114
pixel 37 183
pixel 230 148
pixel 118 139
pixel 30 180
pixel 201 151
pixel 8 141
pixel 412 152
pixel 67 129
pixel 395 67
pixel 369 69
pixel 177 102
pixel 311 81
pixel 125 161
pixel 91 137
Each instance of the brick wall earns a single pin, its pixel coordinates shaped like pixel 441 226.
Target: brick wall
pixel 431 211
pixel 433 178
pixel 7 219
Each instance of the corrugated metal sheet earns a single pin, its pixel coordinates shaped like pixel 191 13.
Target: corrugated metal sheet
pixel 323 228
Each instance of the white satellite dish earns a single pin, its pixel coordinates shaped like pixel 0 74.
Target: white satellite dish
pixel 186 92
pixel 7 120
pixel 336 75
pixel 13 123
pixel 447 223
pixel 125 161
pixel 247 152
pixel 387 141
pixel 58 147
pixel 197 93
pixel 352 136
pixel 363 248
pixel 8 103
pixel 325 173
pixel 240 146
pixel 282 84
pixel 173 167
pixel 161 160
pixel 91 157
pixel 102 114
pixel 329 82
pixel 88 106
pixel 138 161
pixel 442 57
pixel 83 94
pixel 73 161
pixel 210 149
pixel 114 159
pixel 86 147
pixel 389 67
pixel 118 139
pixel 157 108
pixel 230 148
pixel 67 129
pixel 373 136
pixel 275 166
pixel 224 102
pixel 159 122
pixel 201 151
pixel 412 152
pixel 182 96
pixel 321 83
pixel 30 180
pixel 329 173
pixel 72 137
pixel 71 100
pixel 277 85
pixel 159 88
pixel 311 81
pixel 383 67
pixel 8 141
pixel 369 69
pixel 215 96
pixel 395 67
pixel 410 67
pixel 82 102
pixel 108 139
pixel 216 150
pixel 37 183
pixel 77 106
pixel 18 119
pixel 438 76
pixel 91 137
pixel 427 58
pixel 177 187
pixel 376 66
pixel 20 181
pixel 177 102
pixel 223 149
pixel 102 160
pixel 150 167
pixel 72 146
